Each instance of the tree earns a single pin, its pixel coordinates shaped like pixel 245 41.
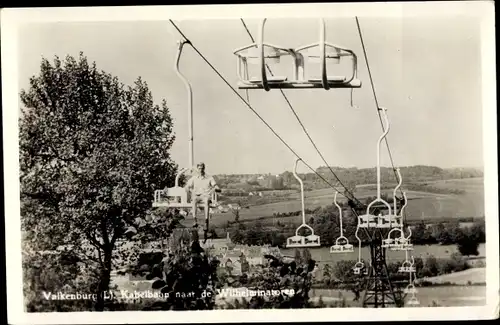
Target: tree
pixel 327 274
pixel 343 273
pixel 92 152
pixel 306 255
pixel 468 245
pixel 297 256
pixel 187 276
pixel 46 273
pixel 280 274
pixel 277 183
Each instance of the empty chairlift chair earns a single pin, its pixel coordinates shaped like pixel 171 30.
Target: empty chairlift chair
pixel 413 301
pixel 407 266
pixel 381 221
pixel 342 243
pixel 260 52
pixel 322 53
pixel 392 242
pixel 311 240
pixel 359 266
pixel 410 289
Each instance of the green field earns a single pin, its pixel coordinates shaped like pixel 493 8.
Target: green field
pixel 421 204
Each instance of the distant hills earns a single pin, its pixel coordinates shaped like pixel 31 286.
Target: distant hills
pixel 350 177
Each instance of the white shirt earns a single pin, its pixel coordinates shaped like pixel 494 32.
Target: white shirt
pixel 201 185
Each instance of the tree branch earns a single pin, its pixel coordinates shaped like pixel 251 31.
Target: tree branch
pixel 93 240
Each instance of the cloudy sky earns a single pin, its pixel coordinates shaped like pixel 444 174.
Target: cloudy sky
pixel 426 70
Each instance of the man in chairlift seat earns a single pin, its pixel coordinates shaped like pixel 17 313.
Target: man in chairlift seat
pixel 200 186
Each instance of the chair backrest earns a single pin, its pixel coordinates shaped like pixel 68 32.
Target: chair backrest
pixel 314 55
pixel 177 192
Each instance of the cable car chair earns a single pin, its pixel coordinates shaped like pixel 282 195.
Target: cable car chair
pixel 259 51
pixel 322 52
pixel 341 243
pixel 311 240
pixel 410 289
pixel 381 221
pixel 403 243
pixel 359 266
pixel 176 196
pixel 413 301
pixel 407 266
pixel 397 219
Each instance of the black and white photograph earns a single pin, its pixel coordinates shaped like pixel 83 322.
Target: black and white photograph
pixel 250 162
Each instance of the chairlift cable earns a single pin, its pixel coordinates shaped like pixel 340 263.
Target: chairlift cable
pixel 248 105
pixel 302 125
pixel 375 96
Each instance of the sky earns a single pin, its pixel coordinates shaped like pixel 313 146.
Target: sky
pixel 426 72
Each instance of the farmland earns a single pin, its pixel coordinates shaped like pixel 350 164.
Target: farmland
pixel 421 204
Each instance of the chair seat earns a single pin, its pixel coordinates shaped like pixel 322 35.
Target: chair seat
pixel 181 205
pixel 171 205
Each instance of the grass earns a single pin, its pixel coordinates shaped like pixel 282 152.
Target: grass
pixel 469 276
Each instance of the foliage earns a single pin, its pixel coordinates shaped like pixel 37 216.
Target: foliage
pixel 188 276
pixel 48 273
pixel 92 152
pixel 468 245
pixel 281 274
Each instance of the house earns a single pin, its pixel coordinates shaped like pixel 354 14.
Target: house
pixel 238 257
pixel 232 261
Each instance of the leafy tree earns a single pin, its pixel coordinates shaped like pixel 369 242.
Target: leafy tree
pixel 455 231
pixel 187 275
pixel 477 231
pixel 46 273
pixel 430 267
pixel 441 234
pixel 420 234
pixel 92 152
pixel 297 256
pixel 282 274
pixel 277 183
pixel 306 255
pixel 344 275
pixel 468 245
pixel 327 274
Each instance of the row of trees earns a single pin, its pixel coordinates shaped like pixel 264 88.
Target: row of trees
pixel 92 153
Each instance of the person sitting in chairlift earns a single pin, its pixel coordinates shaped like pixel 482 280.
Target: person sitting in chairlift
pixel 201 186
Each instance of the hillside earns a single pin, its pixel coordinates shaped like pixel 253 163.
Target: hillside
pixel 350 177
pixel 455 198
